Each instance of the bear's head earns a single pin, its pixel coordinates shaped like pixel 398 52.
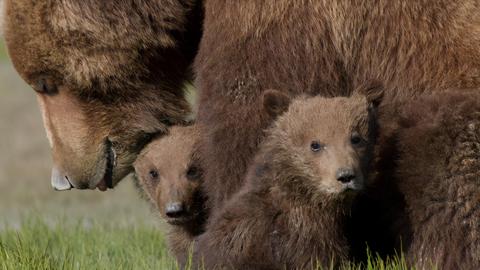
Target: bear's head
pixel 321 146
pixel 96 77
pixel 169 173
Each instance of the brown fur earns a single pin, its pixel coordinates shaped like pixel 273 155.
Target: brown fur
pixel 437 172
pixel 163 169
pixel 292 210
pixel 120 64
pixel 319 47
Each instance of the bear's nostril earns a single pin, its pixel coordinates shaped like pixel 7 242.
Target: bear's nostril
pixel 345 175
pixel 174 210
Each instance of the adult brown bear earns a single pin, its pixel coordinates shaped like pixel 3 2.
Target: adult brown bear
pixel 107 74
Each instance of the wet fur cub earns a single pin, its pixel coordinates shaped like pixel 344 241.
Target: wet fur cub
pixel 292 210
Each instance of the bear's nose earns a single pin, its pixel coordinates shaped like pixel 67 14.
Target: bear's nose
pixel 174 210
pixel 345 175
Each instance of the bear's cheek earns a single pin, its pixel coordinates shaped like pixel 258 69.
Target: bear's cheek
pixel 150 188
pixel 329 186
pixel 322 166
pixel 323 180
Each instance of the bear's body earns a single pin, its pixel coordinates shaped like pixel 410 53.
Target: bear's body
pixel 319 47
pixel 436 142
pixel 170 176
pixel 292 211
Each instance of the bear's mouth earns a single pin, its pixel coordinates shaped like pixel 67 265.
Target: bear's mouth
pixel 180 220
pixel 188 217
pixel 107 181
pixel 354 186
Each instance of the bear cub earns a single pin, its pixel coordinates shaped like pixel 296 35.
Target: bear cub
pixel 292 211
pixel 168 172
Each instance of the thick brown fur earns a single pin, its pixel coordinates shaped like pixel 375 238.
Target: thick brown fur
pixel 437 172
pixel 292 211
pixel 168 172
pixel 108 74
pixel 319 47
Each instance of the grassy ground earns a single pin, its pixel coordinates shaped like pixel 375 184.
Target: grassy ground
pixel 44 229
pixel 36 245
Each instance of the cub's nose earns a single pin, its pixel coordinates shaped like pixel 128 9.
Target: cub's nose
pixel 174 210
pixel 345 175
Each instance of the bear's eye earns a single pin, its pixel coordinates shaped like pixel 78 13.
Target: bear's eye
pixel 316 146
pixel 45 86
pixel 153 174
pixel 356 139
pixel 193 173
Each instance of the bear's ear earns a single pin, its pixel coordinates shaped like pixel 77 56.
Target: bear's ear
pixel 275 102
pixel 373 91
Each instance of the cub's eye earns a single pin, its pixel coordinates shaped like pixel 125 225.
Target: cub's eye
pixel 193 173
pixel 153 174
pixel 45 86
pixel 356 139
pixel 316 146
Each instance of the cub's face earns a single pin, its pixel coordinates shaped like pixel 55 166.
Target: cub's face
pixel 170 176
pixel 328 140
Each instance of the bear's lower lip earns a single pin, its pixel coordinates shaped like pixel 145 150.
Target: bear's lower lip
pixel 350 191
pixel 354 185
pixel 179 221
pixel 102 186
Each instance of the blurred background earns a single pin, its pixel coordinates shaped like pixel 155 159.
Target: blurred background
pixel 25 164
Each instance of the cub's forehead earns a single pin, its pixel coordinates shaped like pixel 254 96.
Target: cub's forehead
pixel 330 110
pixel 325 118
pixel 175 148
pixel 164 149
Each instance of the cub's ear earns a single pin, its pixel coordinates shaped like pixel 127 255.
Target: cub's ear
pixel 275 102
pixel 373 91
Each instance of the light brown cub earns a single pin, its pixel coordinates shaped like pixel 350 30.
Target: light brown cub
pixel 293 210
pixel 169 174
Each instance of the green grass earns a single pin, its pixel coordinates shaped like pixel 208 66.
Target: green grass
pixel 36 245
pixel 66 245
pixel 376 263
pixel 3 50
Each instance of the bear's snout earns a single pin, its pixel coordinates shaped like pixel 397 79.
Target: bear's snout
pixel 174 210
pixel 349 178
pixel 345 175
